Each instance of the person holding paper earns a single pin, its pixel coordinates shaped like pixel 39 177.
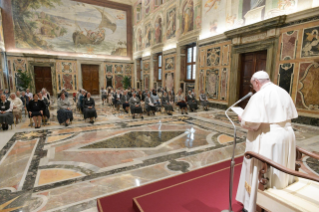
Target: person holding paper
pixel 267 117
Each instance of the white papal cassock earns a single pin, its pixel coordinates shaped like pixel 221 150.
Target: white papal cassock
pixel 268 117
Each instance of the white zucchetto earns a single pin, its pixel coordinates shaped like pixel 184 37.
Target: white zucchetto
pixel 260 75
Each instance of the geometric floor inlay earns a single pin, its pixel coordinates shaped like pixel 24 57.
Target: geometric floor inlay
pixel 136 139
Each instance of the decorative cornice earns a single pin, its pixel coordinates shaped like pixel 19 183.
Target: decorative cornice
pixel 257 27
pixel 302 15
pixel 214 39
pixel 188 38
pixel 169 51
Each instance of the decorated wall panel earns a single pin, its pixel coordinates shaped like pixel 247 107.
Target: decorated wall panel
pixel 214 68
pixel 67 76
pixel 114 74
pixel 169 63
pixel 297 65
pixel 146 75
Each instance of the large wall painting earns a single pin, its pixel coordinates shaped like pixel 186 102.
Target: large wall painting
pixel 187 11
pixel 310 42
pixel 169 63
pixel 285 76
pixel 148 35
pixel 171 23
pixel 308 88
pixel 289 45
pixel 169 82
pixel 69 26
pixel 212 83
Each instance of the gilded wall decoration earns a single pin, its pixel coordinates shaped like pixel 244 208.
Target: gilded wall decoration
pixel 310 42
pixel 169 82
pixel 69 26
pixel 213 56
pixel 146 66
pixel 171 23
pixel 288 45
pixel 67 81
pixel 212 83
pixel 225 55
pixel 223 84
pixel 169 63
pixel 139 42
pixel 308 88
pixel 187 11
pixel 118 68
pixel 286 76
pixel 114 78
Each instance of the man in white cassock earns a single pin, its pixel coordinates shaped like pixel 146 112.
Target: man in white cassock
pixel 267 117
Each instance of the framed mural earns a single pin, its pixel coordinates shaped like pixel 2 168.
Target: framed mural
pixel 187 11
pixel 78 27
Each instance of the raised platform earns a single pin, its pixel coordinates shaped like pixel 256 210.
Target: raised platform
pixel 202 190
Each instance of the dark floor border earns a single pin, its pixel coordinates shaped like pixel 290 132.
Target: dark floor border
pixel 307 120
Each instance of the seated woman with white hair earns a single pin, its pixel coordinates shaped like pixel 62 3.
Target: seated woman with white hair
pixel 135 105
pixel 17 106
pixel 6 116
pixel 65 114
pixel 46 95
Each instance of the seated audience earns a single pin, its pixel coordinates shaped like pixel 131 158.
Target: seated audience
pixel 103 95
pixel 82 97
pixel 36 109
pixel 191 101
pixel 17 106
pixel 125 102
pixel 65 114
pixel 65 93
pixel 167 104
pixel 149 104
pixel 181 102
pixel 117 99
pixel 111 96
pixel 204 100
pixel 135 105
pixel 139 95
pixel 25 99
pixel 6 116
pixel 89 108
pixel 29 94
pixel 46 111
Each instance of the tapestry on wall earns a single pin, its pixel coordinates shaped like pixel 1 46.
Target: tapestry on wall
pixel 169 82
pixel 213 56
pixel 307 93
pixel 212 83
pixel 69 26
pixel 310 42
pixel 285 76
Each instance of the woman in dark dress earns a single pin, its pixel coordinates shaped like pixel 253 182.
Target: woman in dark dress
pixel 89 108
pixel 167 104
pixel 135 105
pixel 191 101
pixel 149 104
pixel 65 114
pixel 180 101
pixel 46 111
pixel 36 109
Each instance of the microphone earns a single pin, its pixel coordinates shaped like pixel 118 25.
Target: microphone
pixel 232 163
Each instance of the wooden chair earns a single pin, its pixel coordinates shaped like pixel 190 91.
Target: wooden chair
pixel 302 195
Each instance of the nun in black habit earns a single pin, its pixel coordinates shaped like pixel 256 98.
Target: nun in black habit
pixel 89 108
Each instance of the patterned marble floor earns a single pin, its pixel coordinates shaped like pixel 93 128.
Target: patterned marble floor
pixel 67 169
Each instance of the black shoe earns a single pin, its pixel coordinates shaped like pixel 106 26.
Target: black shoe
pixel 133 117
pixel 182 113
pixel 186 113
pixel 142 117
pixel 169 114
pixel 3 127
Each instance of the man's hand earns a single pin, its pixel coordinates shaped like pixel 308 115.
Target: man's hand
pixel 137 105
pixel 14 107
pixel 41 112
pixel 68 108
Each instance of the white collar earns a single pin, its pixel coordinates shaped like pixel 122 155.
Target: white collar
pixel 265 85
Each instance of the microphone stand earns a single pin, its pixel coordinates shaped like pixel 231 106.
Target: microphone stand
pixel 232 163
